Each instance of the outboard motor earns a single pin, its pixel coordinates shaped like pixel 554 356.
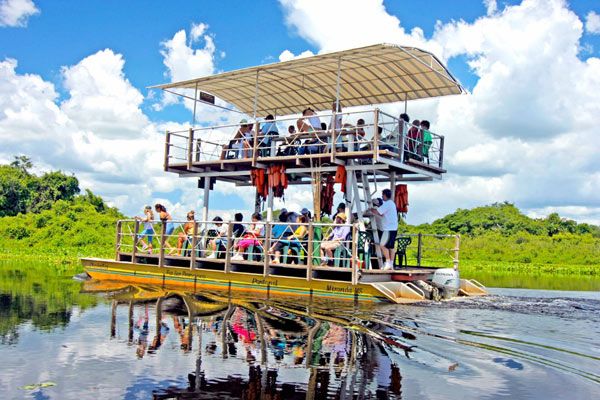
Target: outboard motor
pixel 447 280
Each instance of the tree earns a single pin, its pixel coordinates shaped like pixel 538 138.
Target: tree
pixel 51 187
pixel 23 163
pixel 14 191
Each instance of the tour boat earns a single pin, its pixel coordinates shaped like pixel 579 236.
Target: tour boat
pixel 359 151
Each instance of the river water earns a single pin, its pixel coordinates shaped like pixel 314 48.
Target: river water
pixel 62 339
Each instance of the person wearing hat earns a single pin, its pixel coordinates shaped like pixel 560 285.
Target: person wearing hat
pixel 341 208
pixel 335 239
pixel 306 212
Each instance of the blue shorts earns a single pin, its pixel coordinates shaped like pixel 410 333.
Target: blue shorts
pixel 148 233
pixel 170 228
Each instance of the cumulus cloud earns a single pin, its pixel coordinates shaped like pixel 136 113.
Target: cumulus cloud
pixel 15 13
pixel 592 23
pixel 514 137
pixel 287 55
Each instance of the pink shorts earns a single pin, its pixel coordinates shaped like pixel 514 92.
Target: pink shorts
pixel 245 243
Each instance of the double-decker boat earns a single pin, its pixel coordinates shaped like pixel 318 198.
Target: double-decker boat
pixel 363 150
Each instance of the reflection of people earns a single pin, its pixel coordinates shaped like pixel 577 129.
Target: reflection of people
pixel 141 327
pixel 183 329
pixel 159 338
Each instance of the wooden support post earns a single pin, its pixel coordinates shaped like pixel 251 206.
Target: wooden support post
pixel 349 193
pixel 190 146
pixel 167 149
pixel 376 137
pixel 198 148
pixel 135 240
pixel 161 254
pixel 419 248
pixel 309 262
pixel 266 247
pixel 194 244
pixel 456 251
pixel 393 182
pixel 354 260
pixel 228 247
pixel 118 241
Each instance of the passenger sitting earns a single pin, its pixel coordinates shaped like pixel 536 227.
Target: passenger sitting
pixel 310 123
pixel 238 229
pixel 427 139
pixel 292 240
pixel 291 146
pixel 254 232
pixel 187 232
pixel 267 131
pixel 335 239
pixel 239 144
pixel 361 142
pixel 219 241
pixel 306 212
pixel 413 141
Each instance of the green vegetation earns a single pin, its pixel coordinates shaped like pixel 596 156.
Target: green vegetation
pixel 500 238
pixel 44 217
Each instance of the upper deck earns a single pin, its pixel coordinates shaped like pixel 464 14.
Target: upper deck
pixel 361 77
pixel 370 140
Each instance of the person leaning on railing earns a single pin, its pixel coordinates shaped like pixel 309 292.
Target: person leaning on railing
pixel 335 239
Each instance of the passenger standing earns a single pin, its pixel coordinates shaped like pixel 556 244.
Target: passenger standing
pixel 148 231
pixel 413 138
pixel 427 139
pixel 165 218
pixel 389 224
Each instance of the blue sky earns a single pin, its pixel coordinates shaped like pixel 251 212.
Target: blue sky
pixel 62 34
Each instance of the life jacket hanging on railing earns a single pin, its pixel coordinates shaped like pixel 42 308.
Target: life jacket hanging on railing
pixel 257 176
pixel 401 198
pixel 277 179
pixel 340 177
pixel 327 194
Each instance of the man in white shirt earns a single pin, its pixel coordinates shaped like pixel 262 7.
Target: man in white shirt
pixel 389 224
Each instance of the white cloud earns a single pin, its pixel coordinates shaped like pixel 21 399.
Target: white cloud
pixel 15 13
pixel 527 132
pixel 592 23
pixel 491 6
pixel 287 55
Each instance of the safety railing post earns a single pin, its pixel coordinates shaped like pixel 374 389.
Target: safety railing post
pixel 266 247
pixel 456 251
pixel 167 149
pixel 228 247
pixel 401 130
pixel 419 248
pixel 333 136
pixel 161 254
pixel 255 144
pixel 118 241
pixel 193 245
pixel 376 135
pixel 135 240
pixel 441 150
pixel 198 148
pixel 190 148
pixel 309 263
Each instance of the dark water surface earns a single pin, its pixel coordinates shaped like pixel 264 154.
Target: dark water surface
pixel 120 341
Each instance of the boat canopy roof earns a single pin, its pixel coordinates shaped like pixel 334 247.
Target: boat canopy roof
pixel 382 73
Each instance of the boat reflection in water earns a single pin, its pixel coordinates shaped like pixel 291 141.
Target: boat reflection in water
pixel 261 348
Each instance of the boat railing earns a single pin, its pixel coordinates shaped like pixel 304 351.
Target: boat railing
pixel 355 134
pixel 272 246
pixel 430 250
